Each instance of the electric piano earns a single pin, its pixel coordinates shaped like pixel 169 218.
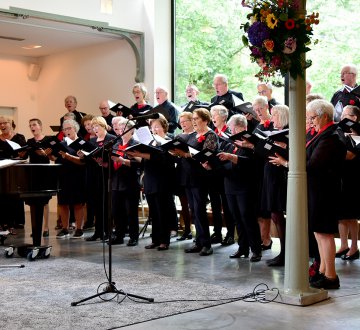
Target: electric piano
pixel 33 183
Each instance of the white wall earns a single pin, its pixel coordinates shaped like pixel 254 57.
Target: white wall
pixel 17 91
pixel 91 74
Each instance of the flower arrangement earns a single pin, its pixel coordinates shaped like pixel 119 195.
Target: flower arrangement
pixel 277 36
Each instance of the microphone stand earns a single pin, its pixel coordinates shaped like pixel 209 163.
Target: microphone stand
pixel 110 287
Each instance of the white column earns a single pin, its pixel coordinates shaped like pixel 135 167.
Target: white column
pixel 296 284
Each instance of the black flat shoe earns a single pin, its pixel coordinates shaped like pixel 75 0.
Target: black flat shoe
pixel 228 240
pixel 132 242
pixel 193 249
pixel 151 246
pixel 215 239
pixel 239 253
pixel 92 238
pixel 163 247
pixel 206 251
pixel 185 237
pixel 117 241
pixel 266 247
pixel 326 283
pixel 341 253
pixel 353 256
pixel 277 261
pixel 255 257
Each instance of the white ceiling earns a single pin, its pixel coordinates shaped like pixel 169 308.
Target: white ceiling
pixel 54 37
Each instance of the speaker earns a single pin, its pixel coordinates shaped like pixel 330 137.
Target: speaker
pixel 34 71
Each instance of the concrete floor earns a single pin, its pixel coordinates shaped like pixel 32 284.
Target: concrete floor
pixel 342 310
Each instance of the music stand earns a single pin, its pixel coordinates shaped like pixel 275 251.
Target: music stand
pixel 110 287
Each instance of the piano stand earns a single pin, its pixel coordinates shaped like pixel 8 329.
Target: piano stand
pixel 37 212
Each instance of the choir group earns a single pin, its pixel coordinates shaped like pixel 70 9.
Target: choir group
pixel 228 155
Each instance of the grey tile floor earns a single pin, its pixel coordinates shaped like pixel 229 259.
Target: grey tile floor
pixel 340 311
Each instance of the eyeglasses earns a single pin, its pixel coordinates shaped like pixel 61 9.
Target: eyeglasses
pixel 4 123
pixel 262 92
pixel 311 118
pixel 195 118
pixel 347 72
pixel 67 128
pixel 184 121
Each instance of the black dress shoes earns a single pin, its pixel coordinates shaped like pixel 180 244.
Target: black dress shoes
pixel 163 247
pixel 206 251
pixel 193 249
pixel 215 239
pixel 117 241
pixel 92 238
pixel 255 257
pixel 239 253
pixel 277 261
pixel 132 242
pixel 341 253
pixel 326 283
pixel 266 247
pixel 151 246
pixel 228 240
pixel 184 237
pixel 353 256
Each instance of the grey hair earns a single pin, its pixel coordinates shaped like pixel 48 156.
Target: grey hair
pixel 73 123
pixel 237 120
pixel 261 100
pixel 127 122
pixel 70 115
pixel 268 85
pixel 283 111
pixel 222 76
pixel 220 110
pixel 321 107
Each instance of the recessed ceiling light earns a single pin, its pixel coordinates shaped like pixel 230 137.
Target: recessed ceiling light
pixel 31 47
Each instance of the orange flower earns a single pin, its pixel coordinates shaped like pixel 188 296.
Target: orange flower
pixel 269 45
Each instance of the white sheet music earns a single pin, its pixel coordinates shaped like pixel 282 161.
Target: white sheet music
pixel 13 144
pixel 143 135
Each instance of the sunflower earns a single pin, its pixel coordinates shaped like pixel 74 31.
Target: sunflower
pixel 271 21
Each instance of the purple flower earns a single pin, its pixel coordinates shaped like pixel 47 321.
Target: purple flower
pixel 257 33
pixel 255 51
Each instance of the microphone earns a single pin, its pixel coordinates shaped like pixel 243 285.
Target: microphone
pixel 149 116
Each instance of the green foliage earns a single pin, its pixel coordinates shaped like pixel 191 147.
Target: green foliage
pixel 209 41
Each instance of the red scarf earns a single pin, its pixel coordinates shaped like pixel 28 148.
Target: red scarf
pixel 140 106
pixel 120 152
pixel 222 130
pixel 320 131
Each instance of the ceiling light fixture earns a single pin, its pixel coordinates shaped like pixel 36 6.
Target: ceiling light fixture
pixel 31 47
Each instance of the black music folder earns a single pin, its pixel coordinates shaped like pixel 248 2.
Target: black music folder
pixel 275 135
pixel 207 155
pixel 121 107
pixel 83 145
pixel 265 148
pixel 175 144
pixel 55 128
pixel 246 135
pixel 356 91
pixel 159 109
pixel 144 148
pixel 190 107
pixel 347 125
pixel 54 144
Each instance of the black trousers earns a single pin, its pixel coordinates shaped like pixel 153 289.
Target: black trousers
pixel 161 207
pixel 124 207
pixel 243 210
pixel 198 196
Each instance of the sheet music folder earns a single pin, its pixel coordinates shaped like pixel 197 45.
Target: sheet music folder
pixel 175 144
pixel 144 148
pixel 266 148
pixel 207 155
pixel 347 125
